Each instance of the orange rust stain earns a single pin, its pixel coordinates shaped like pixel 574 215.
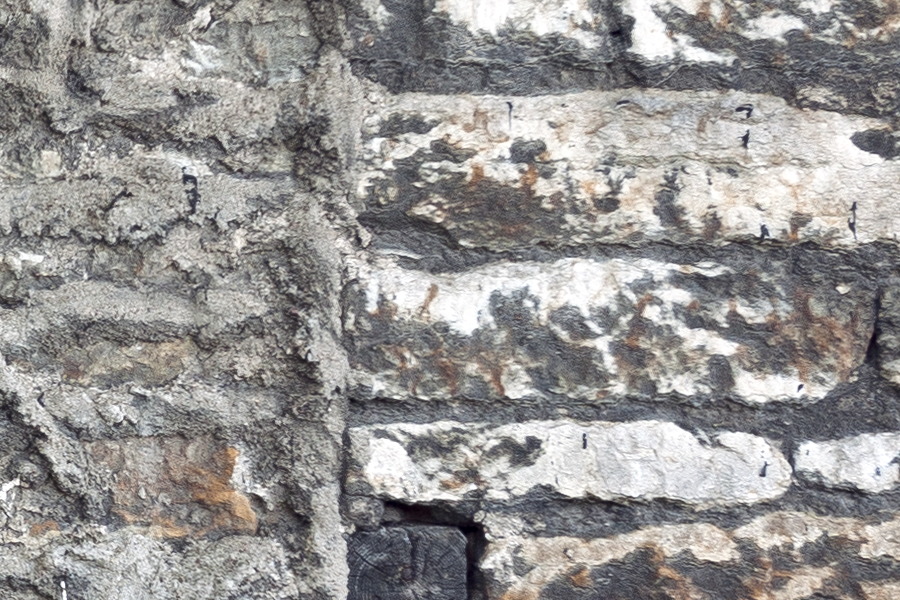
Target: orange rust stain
pixel 386 310
pixel 452 483
pixel 694 305
pixel 642 304
pixel 818 342
pixel 678 586
pixel 398 353
pixel 212 487
pixel 496 380
pixel 637 328
pixel 589 187
pixel 476 176
pixel 429 298
pixel 448 370
pixel 494 373
pixel 529 177
pixel 165 483
pixel 724 22
pixel 42 528
pixel 704 12
pixel 764 580
pixel 481 121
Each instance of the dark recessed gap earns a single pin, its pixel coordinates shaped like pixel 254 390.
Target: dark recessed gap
pixel 398 514
pixel 872 348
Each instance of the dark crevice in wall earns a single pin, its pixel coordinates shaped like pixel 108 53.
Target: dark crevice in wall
pixel 397 514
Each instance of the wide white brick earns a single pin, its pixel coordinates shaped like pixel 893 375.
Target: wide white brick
pixel 451 461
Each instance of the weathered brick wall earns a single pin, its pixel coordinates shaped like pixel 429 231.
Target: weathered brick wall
pixel 449 299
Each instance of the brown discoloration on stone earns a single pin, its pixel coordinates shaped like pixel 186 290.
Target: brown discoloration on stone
pixel 476 176
pixel 766 332
pixel 44 527
pixel 529 178
pixel 814 337
pixel 145 363
pixel 429 298
pixel 581 577
pixel 797 222
pixel 176 486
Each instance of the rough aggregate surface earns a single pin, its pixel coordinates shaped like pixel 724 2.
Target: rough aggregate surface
pixel 449 299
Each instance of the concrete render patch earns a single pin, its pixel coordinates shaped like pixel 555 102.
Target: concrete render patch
pixel 866 462
pixel 644 460
pixel 135 563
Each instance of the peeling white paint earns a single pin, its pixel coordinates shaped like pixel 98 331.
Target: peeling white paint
pixel 464 302
pixel 571 18
pixel 653 40
pixel 7 488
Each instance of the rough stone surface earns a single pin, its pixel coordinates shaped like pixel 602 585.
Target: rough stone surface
pixel 449 299
pixel 766 557
pixel 625 167
pixel 596 330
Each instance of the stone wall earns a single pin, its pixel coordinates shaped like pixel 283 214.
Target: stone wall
pixel 449 299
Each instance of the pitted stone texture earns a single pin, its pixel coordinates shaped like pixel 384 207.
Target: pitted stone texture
pixel 130 563
pixel 778 556
pixel 866 462
pixel 136 198
pixel 592 330
pixel 624 167
pixel 408 562
pixel 645 460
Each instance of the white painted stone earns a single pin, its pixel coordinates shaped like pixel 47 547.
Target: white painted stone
pixel 611 461
pixel 864 462
pixel 882 539
pixel 771 26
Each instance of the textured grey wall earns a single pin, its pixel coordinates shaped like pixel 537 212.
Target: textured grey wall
pixel 449 299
